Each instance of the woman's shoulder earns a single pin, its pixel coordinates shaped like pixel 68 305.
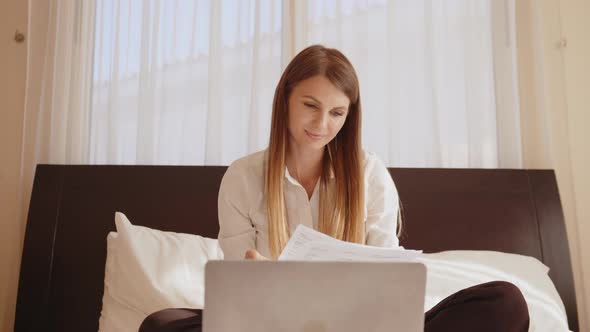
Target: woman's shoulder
pixel 255 160
pixel 250 167
pixel 372 162
pixel 375 169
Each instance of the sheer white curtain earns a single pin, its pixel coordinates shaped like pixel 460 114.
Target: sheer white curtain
pixel 183 82
pixel 192 82
pixel 58 87
pixel 438 78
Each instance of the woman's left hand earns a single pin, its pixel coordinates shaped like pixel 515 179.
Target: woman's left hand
pixel 253 254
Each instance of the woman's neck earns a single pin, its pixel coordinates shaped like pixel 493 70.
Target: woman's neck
pixel 304 165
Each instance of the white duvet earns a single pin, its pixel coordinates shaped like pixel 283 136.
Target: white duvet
pixel 148 270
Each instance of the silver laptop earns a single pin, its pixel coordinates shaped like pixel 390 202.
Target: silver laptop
pixel 265 296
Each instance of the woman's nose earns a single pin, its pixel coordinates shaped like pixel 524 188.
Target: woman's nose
pixel 321 120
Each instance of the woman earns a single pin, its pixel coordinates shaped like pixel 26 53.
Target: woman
pixel 315 173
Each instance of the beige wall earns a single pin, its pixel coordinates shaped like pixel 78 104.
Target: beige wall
pixel 13 56
pixel 13 15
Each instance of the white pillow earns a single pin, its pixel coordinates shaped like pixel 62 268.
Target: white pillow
pixel 148 270
pixel 451 271
pixel 115 315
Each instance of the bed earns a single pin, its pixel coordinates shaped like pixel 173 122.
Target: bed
pixel 72 207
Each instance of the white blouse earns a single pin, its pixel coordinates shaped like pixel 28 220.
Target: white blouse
pixel 242 206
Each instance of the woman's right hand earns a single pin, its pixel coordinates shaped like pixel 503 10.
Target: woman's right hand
pixel 253 254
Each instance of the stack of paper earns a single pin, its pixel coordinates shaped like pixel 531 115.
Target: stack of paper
pixel 307 244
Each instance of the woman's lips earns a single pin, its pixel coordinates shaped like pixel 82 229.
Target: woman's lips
pixel 313 136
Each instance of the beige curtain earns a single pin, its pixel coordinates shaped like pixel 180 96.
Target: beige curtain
pixel 545 124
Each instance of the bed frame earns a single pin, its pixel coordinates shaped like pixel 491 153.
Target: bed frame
pixel 72 210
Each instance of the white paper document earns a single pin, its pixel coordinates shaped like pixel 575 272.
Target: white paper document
pixel 307 244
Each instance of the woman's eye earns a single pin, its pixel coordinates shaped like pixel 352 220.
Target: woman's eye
pixel 310 105
pixel 337 113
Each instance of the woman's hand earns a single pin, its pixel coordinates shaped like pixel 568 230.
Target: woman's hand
pixel 254 255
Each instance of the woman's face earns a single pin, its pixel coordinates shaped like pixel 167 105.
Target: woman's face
pixel 317 111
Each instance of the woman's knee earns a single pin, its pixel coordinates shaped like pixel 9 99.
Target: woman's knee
pixel 507 295
pixel 173 320
pixel 505 291
pixel 157 321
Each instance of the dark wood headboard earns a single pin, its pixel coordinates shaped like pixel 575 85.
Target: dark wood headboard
pixel 72 210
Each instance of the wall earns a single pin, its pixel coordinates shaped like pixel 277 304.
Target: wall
pixel 13 15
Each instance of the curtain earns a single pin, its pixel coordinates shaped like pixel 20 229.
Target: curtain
pixel 58 87
pixel 438 78
pixel 183 82
pixel 192 82
pixel 549 102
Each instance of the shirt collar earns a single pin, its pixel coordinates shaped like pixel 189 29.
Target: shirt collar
pixel 292 179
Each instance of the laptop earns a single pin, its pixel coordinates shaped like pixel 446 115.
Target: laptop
pixel 270 296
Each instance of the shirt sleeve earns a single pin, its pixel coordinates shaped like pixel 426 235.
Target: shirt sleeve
pixel 236 231
pixel 382 206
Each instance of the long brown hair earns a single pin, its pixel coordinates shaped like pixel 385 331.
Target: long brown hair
pixel 341 199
